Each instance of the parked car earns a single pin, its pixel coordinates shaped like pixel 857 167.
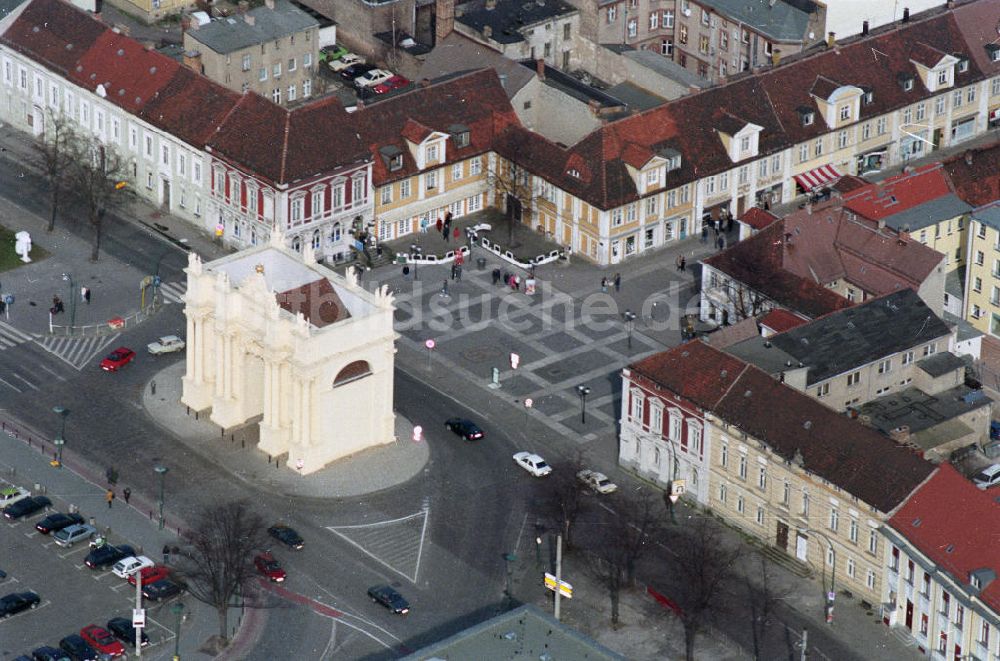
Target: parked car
pixel 532 463
pixel 123 630
pixel 77 648
pixel 350 73
pixel 117 359
pixel 467 429
pixel 10 495
pixel 286 536
pixel 329 54
pixel 388 597
pixel 26 506
pixel 150 574
pixel 161 590
pixel 599 482
pixel 268 566
pixel 166 344
pixel 15 602
pixel 107 555
pixel 130 565
pixel 344 61
pixel 988 477
pixel 394 83
pixel 101 640
pixel 47 653
pixel 57 521
pixel 72 534
pixel 372 77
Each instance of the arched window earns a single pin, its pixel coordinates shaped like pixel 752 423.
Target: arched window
pixel 316 240
pixel 335 236
pixel 359 369
pixel 297 244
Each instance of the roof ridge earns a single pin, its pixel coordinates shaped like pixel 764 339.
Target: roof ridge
pixel 284 144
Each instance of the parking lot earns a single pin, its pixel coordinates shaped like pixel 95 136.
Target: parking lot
pixel 72 596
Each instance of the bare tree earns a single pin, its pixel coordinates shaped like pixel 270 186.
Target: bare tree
pixel 512 184
pixel 607 564
pixel 54 149
pixel 569 498
pixel 763 596
pixel 98 177
pixel 217 561
pixel 704 565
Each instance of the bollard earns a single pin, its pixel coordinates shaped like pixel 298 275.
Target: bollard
pixel 243 442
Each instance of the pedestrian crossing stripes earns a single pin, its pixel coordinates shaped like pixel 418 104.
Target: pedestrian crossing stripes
pixel 173 292
pixel 76 351
pixel 398 544
pixel 11 337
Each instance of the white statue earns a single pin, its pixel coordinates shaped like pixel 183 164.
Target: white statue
pixel 22 245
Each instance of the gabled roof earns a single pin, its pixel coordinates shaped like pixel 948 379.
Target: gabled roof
pixel 859 460
pixel 975 174
pixel 957 526
pixel 779 320
pixel 926 55
pixel 758 218
pixel 848 339
pixel 908 201
pixel 457 53
pixel 190 107
pixel 823 87
pixel 53 33
pixel 128 74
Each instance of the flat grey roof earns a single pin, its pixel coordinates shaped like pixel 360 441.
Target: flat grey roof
pixel 509 17
pixel 666 68
pixel 919 411
pixel 635 97
pixel 228 35
pixel 989 215
pixel 783 20
pixel 523 633
pixel 847 339
pixel 966 331
pixel 928 213
pixel 761 352
pixel 941 363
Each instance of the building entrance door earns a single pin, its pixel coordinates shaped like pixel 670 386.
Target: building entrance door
pixel 781 541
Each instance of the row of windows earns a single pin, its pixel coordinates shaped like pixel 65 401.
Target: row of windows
pixel 275 69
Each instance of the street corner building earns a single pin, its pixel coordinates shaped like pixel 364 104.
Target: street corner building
pixel 274 335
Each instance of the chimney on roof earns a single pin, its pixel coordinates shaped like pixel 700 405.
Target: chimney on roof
pixel 487 31
pixel 491 5
pixel 269 4
pixel 444 19
pixel 360 105
pixel 595 106
pixel 192 23
pixel 864 28
pixel 185 23
pixel 809 208
pixel 775 57
pixel 900 434
pixel 906 14
pixel 881 223
pixel 950 4
pixel 425 82
pixel 540 68
pixel 242 7
pixel 249 18
pixel 969 157
pixel 831 39
pixel 192 60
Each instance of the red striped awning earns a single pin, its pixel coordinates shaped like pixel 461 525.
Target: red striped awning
pixel 817 177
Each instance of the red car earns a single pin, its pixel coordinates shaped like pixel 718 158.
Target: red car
pixel 101 640
pixel 117 359
pixel 268 566
pixel 394 83
pixel 151 574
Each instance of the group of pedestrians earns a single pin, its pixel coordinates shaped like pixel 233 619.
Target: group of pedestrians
pixel 444 226
pixel 616 282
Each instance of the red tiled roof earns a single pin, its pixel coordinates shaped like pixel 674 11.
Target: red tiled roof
pixel 899 193
pixel 318 302
pixel 975 174
pixel 129 73
pixel 190 107
pixel 780 320
pixel 415 132
pixel 53 33
pixel 758 218
pixel 694 371
pixel 859 460
pixel 926 55
pixel 958 529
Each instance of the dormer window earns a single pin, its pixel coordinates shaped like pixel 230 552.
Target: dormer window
pixel 745 144
pixel 963 65
pixel 868 97
pixel 432 153
pixel 392 157
pixel 905 81
pixel 459 135
pixel 808 118
pixel 672 158
pixel 993 50
pixel 396 163
pixel 573 172
pixel 845 112
pixel 942 77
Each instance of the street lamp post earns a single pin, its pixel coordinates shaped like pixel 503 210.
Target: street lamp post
pixel 629 319
pixel 415 252
pixel 162 470
pixel 61 438
pixel 829 596
pixel 583 391
pixel 509 559
pixel 72 300
pixel 178 610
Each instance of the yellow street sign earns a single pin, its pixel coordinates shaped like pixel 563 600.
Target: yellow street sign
pixel 565 589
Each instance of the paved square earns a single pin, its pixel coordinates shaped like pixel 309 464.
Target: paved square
pixel 573 365
pixel 481 351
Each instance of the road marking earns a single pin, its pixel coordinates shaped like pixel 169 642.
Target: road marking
pixel 383 537
pixel 29 383
pixel 173 292
pixel 11 337
pixel 10 385
pixel 58 376
pixel 77 352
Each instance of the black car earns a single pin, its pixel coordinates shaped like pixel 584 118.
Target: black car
pixel 26 506
pixel 58 521
pixel 161 590
pixel 286 536
pixel 123 630
pixel 355 70
pixel 388 597
pixel 106 555
pixel 49 654
pixel 77 648
pixel 15 602
pixel 467 429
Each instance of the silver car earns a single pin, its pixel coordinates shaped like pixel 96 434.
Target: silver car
pixel 73 534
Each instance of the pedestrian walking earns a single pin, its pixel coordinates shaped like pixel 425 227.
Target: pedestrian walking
pixel 721 242
pixel 506 278
pixel 439 224
pixel 604 285
pixel 445 234
pixel 457 233
pixel 618 282
pixel 729 224
pixel 166 554
pixel 704 232
pixel 715 226
pixel 126 494
pixel 87 296
pixel 684 262
pixel 109 496
pixel 677 262
pixel 454 270
pixel 458 272
pixel 496 277
pixel 444 289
